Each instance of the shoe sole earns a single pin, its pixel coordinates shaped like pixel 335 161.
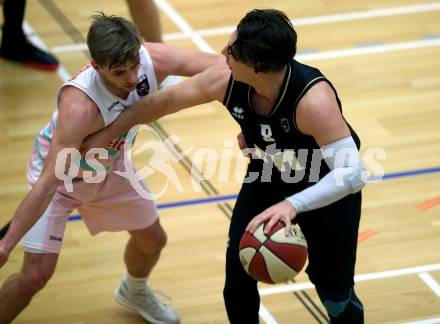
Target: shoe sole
pixel 34 65
pixel 124 302
pixel 42 67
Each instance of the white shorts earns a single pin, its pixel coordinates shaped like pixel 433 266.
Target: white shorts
pixel 112 205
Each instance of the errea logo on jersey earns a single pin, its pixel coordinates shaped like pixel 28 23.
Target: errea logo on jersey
pixel 237 112
pixel 112 106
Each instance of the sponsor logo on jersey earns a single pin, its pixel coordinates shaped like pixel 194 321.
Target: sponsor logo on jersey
pixel 266 133
pixel 54 238
pixel 143 87
pixel 112 106
pixel 285 124
pixel 238 112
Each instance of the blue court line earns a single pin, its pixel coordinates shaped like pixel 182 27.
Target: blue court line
pixel 410 173
pixel 217 199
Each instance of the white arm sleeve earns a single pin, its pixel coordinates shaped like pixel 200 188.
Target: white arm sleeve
pixel 347 175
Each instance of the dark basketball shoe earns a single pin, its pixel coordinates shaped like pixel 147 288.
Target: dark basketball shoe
pixel 30 55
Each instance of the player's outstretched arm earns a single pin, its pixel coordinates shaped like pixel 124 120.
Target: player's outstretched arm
pixel 202 88
pixel 72 127
pixel 169 60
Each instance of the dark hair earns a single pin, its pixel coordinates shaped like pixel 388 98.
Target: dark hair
pixel 113 40
pixel 265 40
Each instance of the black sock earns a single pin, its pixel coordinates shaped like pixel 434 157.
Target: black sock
pixel 15 46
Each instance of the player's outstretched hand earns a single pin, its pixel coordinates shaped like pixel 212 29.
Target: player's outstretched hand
pixel 283 211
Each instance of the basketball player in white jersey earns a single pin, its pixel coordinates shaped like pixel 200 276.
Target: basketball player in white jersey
pixel 122 71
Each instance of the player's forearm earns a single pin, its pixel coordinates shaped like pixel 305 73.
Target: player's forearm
pixel 327 190
pixel 202 88
pixel 347 175
pixel 201 61
pixel 147 110
pixel 28 212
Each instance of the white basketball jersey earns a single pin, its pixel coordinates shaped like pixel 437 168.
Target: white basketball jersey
pixel 110 106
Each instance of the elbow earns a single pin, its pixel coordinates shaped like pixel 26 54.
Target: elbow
pixel 358 178
pixel 48 185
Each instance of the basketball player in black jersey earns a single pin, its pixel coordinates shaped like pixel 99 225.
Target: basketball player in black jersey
pixel 305 165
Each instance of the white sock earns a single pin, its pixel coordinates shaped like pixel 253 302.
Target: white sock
pixel 136 284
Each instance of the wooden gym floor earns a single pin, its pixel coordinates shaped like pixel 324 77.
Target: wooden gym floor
pixel 383 57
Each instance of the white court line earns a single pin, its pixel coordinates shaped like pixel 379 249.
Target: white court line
pixel 430 281
pixel 184 25
pixel 70 48
pixel 428 321
pixel 349 16
pixel 365 50
pixel 265 315
pixel 33 37
pixel 196 34
pixel 357 278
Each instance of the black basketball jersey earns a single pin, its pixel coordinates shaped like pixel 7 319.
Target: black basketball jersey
pixel 275 137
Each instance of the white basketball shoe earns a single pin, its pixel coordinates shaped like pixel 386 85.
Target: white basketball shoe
pixel 146 304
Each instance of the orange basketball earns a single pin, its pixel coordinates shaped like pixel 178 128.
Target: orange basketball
pixel 273 257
